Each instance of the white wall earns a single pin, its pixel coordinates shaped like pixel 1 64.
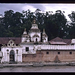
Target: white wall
pixel 32 34
pixel 73 41
pixel 56 47
pixel 6 57
pixel 31 49
pixel 23 39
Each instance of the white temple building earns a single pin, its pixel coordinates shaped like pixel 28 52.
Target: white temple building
pixel 13 52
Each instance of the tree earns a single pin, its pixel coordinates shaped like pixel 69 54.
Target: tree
pixel 71 28
pixel 56 24
pixel 17 24
pixel 14 23
pixel 2 28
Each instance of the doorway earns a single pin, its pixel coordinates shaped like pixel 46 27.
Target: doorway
pixel 12 56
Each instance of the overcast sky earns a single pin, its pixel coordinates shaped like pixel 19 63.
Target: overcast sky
pixel 68 8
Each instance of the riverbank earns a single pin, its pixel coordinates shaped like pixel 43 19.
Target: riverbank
pixel 37 64
pixel 39 69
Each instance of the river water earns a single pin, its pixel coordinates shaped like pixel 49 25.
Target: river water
pixel 39 69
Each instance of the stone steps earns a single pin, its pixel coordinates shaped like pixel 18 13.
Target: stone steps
pixel 36 64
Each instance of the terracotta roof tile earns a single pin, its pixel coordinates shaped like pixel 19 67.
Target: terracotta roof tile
pixel 4 40
pixel 68 41
pixel 58 40
pixel 61 43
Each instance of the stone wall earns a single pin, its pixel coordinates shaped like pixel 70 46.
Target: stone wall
pixel 50 56
pixel 62 55
pixel 32 57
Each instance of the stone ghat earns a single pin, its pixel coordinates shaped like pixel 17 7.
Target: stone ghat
pixel 37 64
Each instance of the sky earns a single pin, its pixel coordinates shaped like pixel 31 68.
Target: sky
pixel 67 7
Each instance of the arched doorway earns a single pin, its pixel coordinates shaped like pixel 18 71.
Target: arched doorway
pixel 12 56
pixel 36 39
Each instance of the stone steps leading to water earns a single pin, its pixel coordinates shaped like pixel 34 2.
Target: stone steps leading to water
pixel 36 64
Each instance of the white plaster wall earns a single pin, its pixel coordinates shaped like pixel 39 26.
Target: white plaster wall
pixel 32 34
pixel 23 39
pixel 73 41
pixel 28 40
pixel 74 46
pixel 46 39
pixel 54 47
pixel 31 49
pixel 34 26
pixel 6 57
pixel 59 47
pixel 38 39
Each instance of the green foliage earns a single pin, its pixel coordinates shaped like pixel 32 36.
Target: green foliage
pixel 71 29
pixel 14 23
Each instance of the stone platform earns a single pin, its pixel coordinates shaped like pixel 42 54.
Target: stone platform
pixel 36 64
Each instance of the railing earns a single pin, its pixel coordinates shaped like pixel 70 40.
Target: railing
pixel 54 47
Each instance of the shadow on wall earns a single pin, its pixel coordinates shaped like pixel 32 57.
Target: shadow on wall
pixel 56 60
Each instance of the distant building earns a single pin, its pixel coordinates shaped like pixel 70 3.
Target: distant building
pixel 31 48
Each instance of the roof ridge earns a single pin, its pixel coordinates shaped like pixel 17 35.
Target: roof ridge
pixel 57 38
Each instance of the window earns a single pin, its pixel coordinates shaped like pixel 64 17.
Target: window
pixel 36 39
pixel 16 51
pixel 58 52
pixel 7 50
pixel 16 44
pixel 70 53
pixel 27 49
pixel 47 52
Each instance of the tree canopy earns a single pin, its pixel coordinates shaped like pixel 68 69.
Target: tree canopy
pixel 14 23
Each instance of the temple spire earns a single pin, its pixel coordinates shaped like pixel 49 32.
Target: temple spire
pixel 25 31
pixel 43 31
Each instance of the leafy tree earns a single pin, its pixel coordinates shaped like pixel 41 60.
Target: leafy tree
pixel 2 28
pixel 55 24
pixel 14 23
pixel 71 29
